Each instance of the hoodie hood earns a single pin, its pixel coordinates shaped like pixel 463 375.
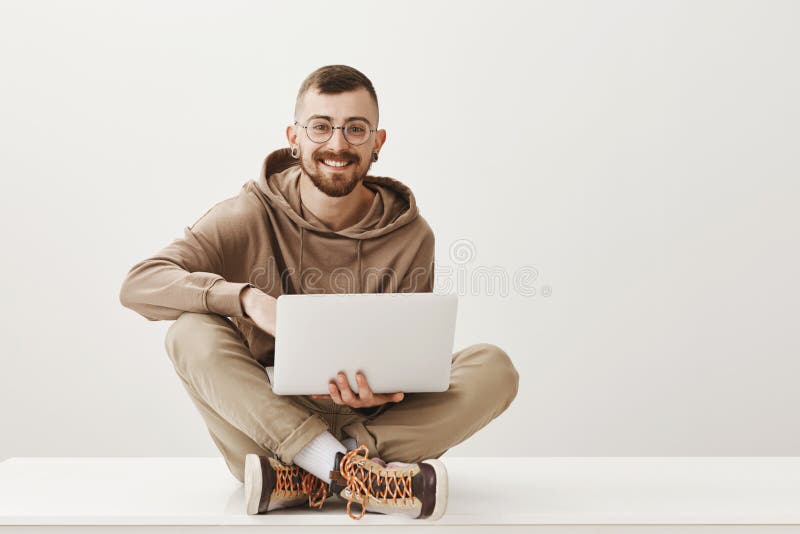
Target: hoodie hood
pixel 393 207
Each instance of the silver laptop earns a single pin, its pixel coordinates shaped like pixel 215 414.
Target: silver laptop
pixel 400 341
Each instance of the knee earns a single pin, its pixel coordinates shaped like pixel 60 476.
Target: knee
pixel 185 337
pixel 501 375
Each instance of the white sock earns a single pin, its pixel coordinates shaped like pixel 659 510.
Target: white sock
pixel 350 443
pixel 319 455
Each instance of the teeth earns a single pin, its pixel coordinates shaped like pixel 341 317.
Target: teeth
pixel 333 163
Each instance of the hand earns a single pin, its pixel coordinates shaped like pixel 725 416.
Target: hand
pixel 260 308
pixel 342 394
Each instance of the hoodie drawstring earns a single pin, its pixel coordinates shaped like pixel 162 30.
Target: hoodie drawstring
pixel 359 266
pixel 300 275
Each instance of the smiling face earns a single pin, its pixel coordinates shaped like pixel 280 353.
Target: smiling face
pixel 346 164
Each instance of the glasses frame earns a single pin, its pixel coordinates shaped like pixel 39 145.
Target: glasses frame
pixel 333 131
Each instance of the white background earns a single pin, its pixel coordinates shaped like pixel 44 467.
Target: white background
pixel 641 156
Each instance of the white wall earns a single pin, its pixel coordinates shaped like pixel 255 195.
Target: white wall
pixel 641 156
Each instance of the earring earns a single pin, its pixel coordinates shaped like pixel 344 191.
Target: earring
pixel 294 152
pixel 374 156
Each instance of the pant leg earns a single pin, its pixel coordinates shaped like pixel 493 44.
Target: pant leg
pixel 233 394
pixel 483 383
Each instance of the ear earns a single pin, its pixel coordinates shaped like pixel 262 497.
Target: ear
pixel 291 134
pixel 380 138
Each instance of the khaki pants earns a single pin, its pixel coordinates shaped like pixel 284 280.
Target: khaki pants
pixel 233 394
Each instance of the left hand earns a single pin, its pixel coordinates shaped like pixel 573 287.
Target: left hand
pixel 342 394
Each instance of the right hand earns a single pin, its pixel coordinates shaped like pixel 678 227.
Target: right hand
pixel 341 393
pixel 260 308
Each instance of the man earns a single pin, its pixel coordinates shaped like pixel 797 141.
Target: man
pixel 314 222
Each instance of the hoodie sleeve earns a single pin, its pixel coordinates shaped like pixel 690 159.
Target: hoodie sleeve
pixel 419 277
pixel 187 274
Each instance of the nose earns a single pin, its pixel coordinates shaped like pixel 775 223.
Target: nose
pixel 337 141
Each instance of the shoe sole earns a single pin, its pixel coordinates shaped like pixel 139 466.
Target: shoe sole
pixel 441 489
pixel 253 482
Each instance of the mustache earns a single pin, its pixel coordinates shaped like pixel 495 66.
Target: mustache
pixel 343 155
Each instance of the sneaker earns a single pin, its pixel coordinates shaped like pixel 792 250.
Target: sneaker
pixel 417 490
pixel 269 485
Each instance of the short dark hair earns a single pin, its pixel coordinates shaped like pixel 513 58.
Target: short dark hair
pixel 335 79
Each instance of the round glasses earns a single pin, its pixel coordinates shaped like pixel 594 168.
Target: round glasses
pixel 320 130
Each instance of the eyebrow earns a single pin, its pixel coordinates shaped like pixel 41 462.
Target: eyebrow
pixel 346 120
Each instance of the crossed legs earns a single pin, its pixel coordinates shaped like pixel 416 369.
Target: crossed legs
pixel 233 395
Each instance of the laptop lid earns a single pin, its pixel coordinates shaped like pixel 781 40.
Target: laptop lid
pixel 400 341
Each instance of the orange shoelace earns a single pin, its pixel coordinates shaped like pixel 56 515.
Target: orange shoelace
pixel 364 483
pixel 316 489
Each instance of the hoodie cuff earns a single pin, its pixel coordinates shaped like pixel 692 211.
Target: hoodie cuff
pixel 224 298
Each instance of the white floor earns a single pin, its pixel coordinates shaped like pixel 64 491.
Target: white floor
pixel 554 494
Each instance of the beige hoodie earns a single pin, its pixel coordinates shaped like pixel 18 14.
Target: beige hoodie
pixel 265 237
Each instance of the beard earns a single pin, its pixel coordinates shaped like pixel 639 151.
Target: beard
pixel 332 182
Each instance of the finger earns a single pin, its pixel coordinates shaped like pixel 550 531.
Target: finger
pixel 364 391
pixel 335 393
pixel 320 396
pixel 394 397
pixel 347 394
